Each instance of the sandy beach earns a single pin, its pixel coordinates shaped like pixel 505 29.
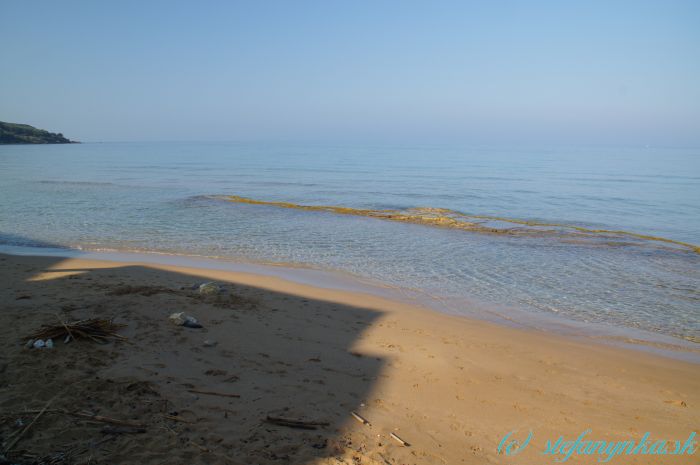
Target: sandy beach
pixel 450 387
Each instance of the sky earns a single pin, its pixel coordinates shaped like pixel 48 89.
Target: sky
pixel 587 72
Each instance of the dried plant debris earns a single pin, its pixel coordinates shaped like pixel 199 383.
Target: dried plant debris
pixel 294 423
pixel 99 426
pixel 141 290
pixel 95 329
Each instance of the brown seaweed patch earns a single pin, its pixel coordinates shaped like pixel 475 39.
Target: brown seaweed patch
pixel 445 218
pixel 141 290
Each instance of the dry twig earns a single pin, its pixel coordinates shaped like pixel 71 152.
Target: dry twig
pixel 359 418
pixel 99 330
pixel 290 423
pixel 88 416
pixel 174 418
pixel 212 393
pixel 122 430
pixel 26 428
pixel 399 440
pixel 102 419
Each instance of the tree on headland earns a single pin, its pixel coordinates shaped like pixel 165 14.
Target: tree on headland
pixel 13 133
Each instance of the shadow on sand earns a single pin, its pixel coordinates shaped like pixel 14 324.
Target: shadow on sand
pixel 285 355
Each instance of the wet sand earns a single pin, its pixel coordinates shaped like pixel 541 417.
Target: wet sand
pixel 451 387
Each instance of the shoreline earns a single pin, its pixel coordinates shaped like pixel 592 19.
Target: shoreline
pixel 588 332
pixel 450 386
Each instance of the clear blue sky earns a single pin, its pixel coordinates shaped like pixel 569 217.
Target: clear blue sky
pixel 624 72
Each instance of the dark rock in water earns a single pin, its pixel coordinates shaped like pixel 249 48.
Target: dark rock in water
pixel 13 133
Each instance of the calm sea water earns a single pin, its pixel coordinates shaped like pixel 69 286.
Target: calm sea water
pixel 166 197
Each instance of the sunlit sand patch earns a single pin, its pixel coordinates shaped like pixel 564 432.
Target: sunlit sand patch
pixel 48 275
pixel 445 218
pixel 62 269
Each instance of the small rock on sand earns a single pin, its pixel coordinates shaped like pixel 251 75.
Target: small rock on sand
pixel 181 319
pixel 178 319
pixel 209 289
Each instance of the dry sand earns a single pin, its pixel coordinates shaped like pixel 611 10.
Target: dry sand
pixel 452 387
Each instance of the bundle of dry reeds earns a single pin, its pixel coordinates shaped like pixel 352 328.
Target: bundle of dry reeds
pixel 96 329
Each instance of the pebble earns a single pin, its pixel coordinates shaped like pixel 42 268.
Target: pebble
pixel 181 319
pixel 209 343
pixel 209 289
pixel 178 319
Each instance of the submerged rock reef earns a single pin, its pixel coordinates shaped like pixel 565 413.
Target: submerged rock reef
pixel 446 218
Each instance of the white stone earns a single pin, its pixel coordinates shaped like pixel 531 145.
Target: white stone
pixel 209 289
pixel 178 319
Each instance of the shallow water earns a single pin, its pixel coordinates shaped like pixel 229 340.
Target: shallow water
pixel 170 197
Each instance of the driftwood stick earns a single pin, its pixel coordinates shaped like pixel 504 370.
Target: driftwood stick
pixel 174 418
pixel 26 428
pixel 360 418
pixel 212 393
pixel 102 419
pixel 292 420
pixel 122 430
pixel 399 440
pixel 290 423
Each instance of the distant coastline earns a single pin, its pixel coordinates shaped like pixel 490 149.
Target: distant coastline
pixel 14 133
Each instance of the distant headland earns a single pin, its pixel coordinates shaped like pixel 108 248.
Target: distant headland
pixel 13 133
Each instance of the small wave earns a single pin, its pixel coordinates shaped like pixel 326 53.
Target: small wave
pixel 77 183
pixel 446 218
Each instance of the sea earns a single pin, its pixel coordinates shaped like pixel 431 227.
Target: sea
pixel 598 239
